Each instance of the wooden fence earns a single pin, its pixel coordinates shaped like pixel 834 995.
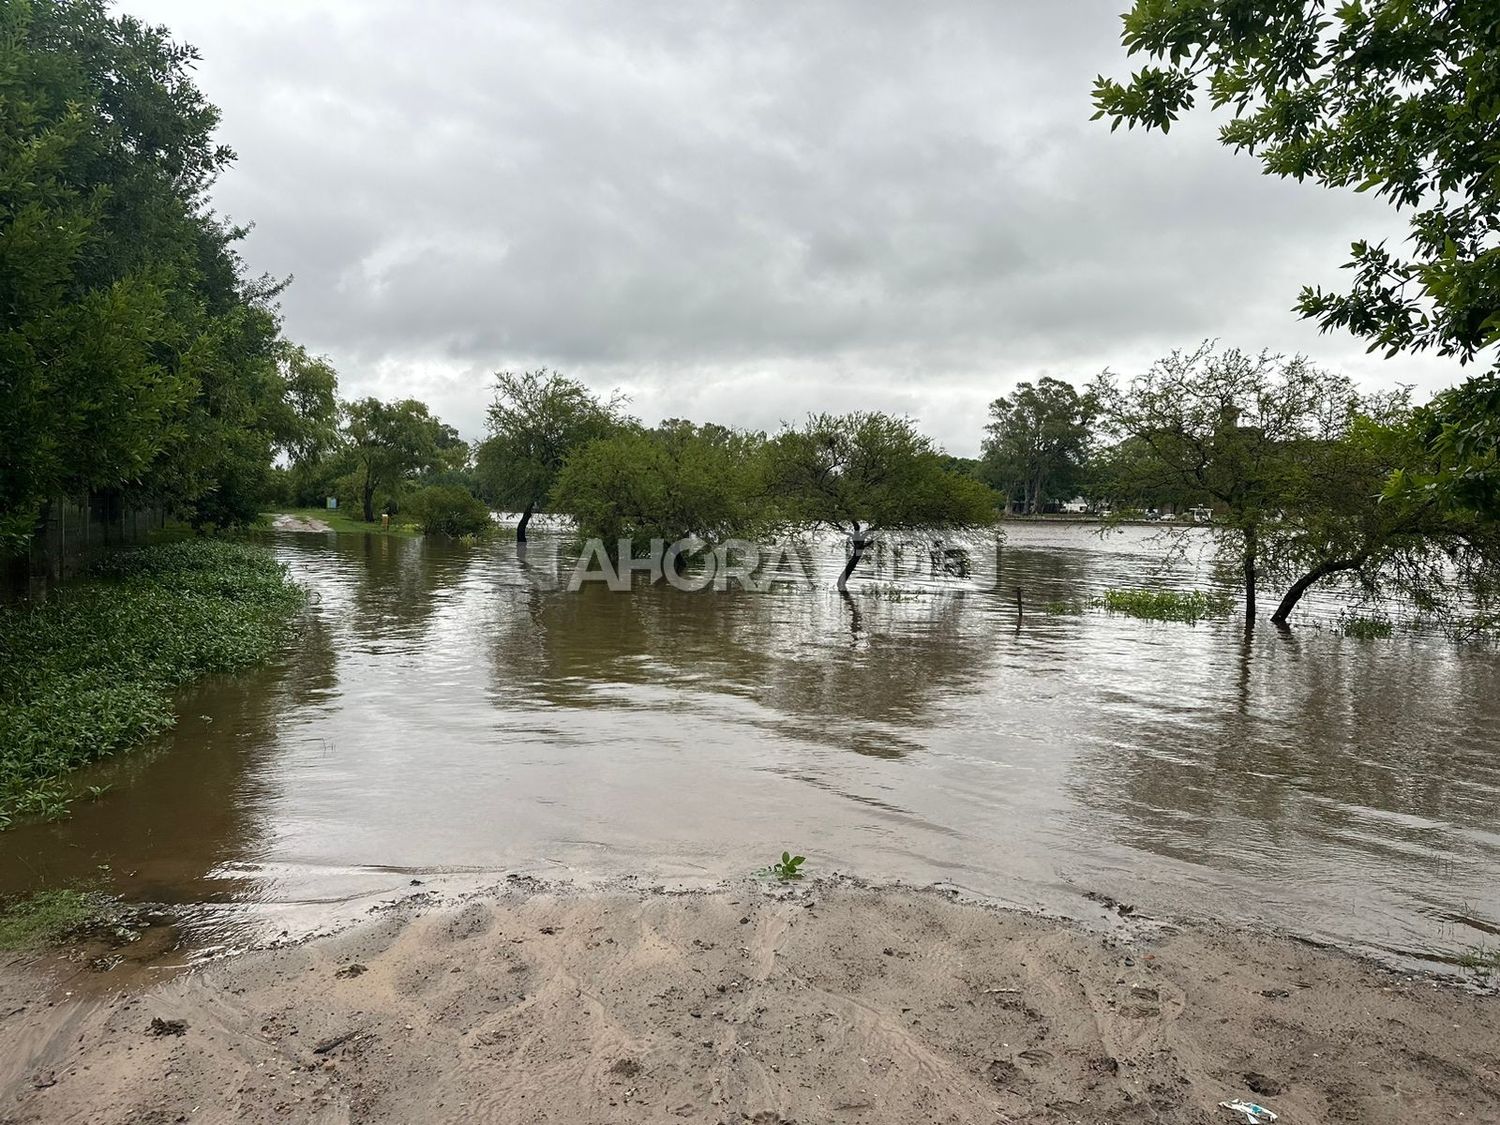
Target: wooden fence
pixel 71 532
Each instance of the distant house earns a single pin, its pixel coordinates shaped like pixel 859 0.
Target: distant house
pixel 1076 506
pixel 1200 515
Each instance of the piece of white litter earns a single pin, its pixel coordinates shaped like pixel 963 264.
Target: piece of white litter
pixel 1254 1114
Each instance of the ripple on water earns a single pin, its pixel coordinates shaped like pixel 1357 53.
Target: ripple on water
pixel 440 714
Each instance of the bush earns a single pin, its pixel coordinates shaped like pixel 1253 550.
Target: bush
pixel 92 671
pixel 1367 628
pixel 448 509
pixel 1166 605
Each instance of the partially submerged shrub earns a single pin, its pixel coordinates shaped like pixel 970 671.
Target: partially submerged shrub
pixel 1189 606
pixel 92 670
pixel 1366 628
pixel 449 509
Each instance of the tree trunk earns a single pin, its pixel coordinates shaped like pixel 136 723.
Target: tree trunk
pixel 1251 546
pixel 525 519
pixel 858 553
pixel 369 499
pixel 1303 584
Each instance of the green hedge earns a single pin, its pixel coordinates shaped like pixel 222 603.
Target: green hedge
pixel 447 509
pixel 92 671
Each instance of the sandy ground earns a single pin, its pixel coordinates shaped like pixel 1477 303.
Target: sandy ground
pixel 826 1003
pixel 287 522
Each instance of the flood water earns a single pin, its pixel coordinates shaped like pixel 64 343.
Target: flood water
pixel 442 718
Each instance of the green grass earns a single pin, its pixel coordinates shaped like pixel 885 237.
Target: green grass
pixel 1064 609
pixel 92 670
pixel 347 521
pixel 1479 960
pixel 48 917
pixel 1166 605
pixel 1366 628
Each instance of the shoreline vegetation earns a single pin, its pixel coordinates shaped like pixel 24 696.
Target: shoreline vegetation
pixel 828 1000
pixel 92 670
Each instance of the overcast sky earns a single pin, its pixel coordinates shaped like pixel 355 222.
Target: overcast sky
pixel 745 211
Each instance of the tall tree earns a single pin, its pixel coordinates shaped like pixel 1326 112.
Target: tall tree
pixel 1294 462
pixel 389 443
pixel 1399 97
pixel 304 419
pixel 537 419
pixel 1037 442
pixel 136 356
pixel 1232 427
pixel 867 474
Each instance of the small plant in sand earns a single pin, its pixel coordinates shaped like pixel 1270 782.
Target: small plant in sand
pixel 788 867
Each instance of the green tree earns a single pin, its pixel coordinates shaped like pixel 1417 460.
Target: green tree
pixel 135 355
pixel 1127 474
pixel 536 421
pixel 1399 97
pixel 1037 442
pixel 1335 523
pixel 677 481
pixel 1293 461
pixel 389 443
pixel 1231 427
pixel 867 474
pixel 1461 430
pixel 304 418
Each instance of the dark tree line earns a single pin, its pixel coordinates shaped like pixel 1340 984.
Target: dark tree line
pixel 137 354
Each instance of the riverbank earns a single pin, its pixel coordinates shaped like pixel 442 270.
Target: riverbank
pixel 92 670
pixel 829 1002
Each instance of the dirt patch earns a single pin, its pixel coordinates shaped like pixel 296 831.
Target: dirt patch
pixel 287 522
pixel 741 1006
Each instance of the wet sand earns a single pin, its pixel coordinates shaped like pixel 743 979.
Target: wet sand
pixel 824 1002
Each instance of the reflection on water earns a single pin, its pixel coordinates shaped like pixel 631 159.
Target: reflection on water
pixel 443 714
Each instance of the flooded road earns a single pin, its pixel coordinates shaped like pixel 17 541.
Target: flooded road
pixel 442 718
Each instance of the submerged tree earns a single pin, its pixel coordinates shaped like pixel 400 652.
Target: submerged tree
pixel 677 481
pixel 1336 523
pixel 1399 97
pixel 1294 461
pixel 866 474
pixel 537 419
pixel 389 443
pixel 1231 427
pixel 1037 442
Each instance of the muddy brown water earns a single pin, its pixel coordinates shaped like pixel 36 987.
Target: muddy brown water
pixel 445 720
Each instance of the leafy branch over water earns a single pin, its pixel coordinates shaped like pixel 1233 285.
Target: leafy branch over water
pixel 92 671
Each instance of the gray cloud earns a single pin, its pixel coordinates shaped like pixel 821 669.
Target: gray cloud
pixel 744 211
